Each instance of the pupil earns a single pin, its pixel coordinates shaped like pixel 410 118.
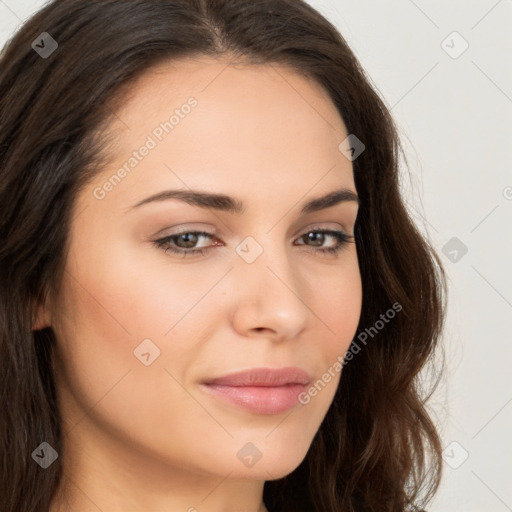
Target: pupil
pixel 316 237
pixel 189 238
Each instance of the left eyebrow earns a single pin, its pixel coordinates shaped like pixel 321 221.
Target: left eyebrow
pixel 230 204
pixel 331 199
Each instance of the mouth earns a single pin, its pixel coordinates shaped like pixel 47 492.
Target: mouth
pixel 260 390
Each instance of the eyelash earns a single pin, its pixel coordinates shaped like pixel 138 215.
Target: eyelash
pixel 342 238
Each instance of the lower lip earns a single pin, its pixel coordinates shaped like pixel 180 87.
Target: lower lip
pixel 259 399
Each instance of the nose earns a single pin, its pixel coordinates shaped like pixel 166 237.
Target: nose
pixel 269 298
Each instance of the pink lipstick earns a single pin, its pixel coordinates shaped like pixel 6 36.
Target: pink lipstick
pixel 261 390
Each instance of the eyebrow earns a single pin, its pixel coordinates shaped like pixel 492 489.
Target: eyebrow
pixel 230 204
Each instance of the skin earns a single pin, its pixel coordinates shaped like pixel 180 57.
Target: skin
pixel 148 438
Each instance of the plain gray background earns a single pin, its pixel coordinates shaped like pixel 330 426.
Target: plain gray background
pixel 453 106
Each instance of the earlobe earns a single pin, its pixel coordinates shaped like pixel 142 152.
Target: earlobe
pixel 42 320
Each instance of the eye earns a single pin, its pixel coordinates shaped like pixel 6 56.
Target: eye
pixel 319 236
pixel 186 243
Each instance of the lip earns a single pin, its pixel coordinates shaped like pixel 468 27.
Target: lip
pixel 260 390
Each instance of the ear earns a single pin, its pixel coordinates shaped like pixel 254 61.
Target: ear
pixel 43 318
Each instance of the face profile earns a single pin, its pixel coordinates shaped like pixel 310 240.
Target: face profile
pixel 218 301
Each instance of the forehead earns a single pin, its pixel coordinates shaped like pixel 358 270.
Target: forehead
pixel 227 82
pixel 259 99
pixel 256 125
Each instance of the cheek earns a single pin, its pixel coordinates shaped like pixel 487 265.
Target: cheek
pixel 112 299
pixel 337 301
pixel 105 310
pixel 127 292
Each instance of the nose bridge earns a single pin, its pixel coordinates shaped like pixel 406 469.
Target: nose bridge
pixel 267 288
pixel 263 261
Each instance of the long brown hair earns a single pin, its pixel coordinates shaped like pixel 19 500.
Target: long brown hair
pixel 377 449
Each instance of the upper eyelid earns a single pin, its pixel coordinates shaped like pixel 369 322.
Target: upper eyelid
pixel 312 227
pixel 213 236
pixel 202 232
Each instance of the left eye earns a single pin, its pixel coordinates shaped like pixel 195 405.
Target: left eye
pixel 186 243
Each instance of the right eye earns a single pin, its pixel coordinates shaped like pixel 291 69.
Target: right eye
pixel 189 239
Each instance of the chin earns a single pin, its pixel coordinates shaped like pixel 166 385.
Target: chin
pixel 270 466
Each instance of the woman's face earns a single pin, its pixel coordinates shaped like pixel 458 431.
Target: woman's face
pixel 141 329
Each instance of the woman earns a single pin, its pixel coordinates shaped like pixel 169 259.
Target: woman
pixel 213 297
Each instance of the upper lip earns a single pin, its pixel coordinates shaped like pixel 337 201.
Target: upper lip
pixel 269 377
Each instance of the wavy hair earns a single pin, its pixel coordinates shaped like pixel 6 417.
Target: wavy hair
pixel 378 448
